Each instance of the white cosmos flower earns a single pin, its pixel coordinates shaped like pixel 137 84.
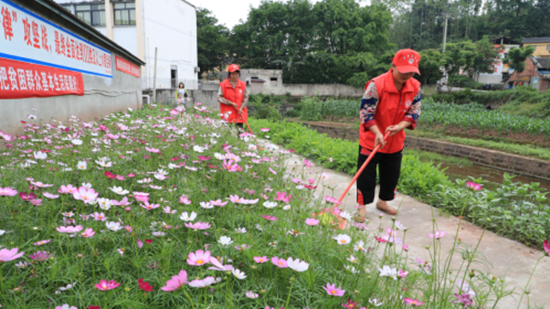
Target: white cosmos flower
pixel 346 215
pixel 360 246
pixel 239 274
pixel 113 226
pixel 386 271
pixel 270 205
pixel 352 259
pixel 39 155
pixel 252 147
pixel 225 240
pixel 186 217
pixel 375 302
pixel 297 265
pixel 119 190
pixel 240 230
pixel 342 239
pixel 206 205
pixel 104 203
pixel 287 207
pixel 400 226
pixel 81 165
pixel 198 148
pixel 77 141
pixel 219 156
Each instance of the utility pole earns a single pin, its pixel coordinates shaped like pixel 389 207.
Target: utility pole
pixel 155 78
pixel 445 31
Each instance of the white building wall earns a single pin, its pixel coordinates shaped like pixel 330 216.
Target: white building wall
pixel 170 25
pixel 126 37
pixel 496 76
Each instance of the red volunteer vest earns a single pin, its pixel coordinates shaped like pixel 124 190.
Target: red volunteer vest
pixel 392 107
pixel 234 95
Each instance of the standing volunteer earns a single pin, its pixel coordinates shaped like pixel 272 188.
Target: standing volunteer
pixel 183 92
pixel 233 97
pixel 391 103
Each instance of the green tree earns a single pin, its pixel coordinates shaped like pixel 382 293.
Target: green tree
pixel 517 56
pixel 212 42
pixel 431 62
pixel 486 56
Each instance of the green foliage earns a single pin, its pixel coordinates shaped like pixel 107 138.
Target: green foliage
pixel 477 116
pixel 359 80
pixel 328 42
pixel 311 109
pixel 517 56
pixel 212 42
pixel 430 65
pixel 522 149
pixel 515 210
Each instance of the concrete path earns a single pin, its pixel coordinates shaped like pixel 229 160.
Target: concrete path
pixel 507 259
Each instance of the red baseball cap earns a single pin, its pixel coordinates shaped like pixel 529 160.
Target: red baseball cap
pixel 406 61
pixel 233 67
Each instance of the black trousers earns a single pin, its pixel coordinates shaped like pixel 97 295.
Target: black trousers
pixel 239 125
pixel 389 166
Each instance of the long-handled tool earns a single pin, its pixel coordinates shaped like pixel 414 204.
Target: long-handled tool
pixel 249 129
pixel 344 222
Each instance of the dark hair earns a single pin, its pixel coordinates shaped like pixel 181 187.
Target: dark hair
pixel 181 83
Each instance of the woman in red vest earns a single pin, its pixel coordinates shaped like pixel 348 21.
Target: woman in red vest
pixel 391 103
pixel 233 97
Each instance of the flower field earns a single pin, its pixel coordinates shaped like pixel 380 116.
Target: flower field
pixel 147 209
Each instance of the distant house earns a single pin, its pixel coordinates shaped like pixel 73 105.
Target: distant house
pixel 541 44
pixel 536 74
pixel 500 73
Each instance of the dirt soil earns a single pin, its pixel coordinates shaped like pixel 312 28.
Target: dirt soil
pixel 472 133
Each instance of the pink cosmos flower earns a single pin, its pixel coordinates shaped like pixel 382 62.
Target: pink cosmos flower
pixel 218 266
pixel 122 203
pixel 281 263
pixel 88 233
pixel 68 189
pixel 406 247
pixel 168 210
pixel 332 290
pixel 464 299
pixel 41 256
pixel 264 129
pixel 251 294
pixel 307 163
pixel 402 274
pixel 70 229
pixel 85 195
pixel 261 259
pixel 153 150
pixel 472 185
pixel 271 170
pixel 198 225
pixel 202 283
pixel 438 234
pixel 149 206
pixel 312 221
pixel 119 177
pixel 198 258
pixel 40 184
pixel 42 242
pixel 236 199
pixel 51 196
pixel 218 203
pixel 281 196
pixel 7 255
pixel 36 202
pixel 99 216
pixel 414 302
pixel 27 196
pixel 103 285
pixel 7 191
pixel 141 198
pixel 184 200
pixel 270 218
pixel 332 200
pixel 546 246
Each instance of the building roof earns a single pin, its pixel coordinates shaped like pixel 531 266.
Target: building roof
pixel 54 8
pixel 536 40
pixel 540 62
pixel 506 40
pixel 190 4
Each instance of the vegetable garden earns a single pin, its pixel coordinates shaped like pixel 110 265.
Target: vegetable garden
pixel 145 209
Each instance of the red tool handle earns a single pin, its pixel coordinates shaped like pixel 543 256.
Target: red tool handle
pixel 359 173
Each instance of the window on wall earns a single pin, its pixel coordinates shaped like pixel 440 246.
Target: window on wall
pixel 68 7
pixel 92 14
pixel 125 13
pixel 547 46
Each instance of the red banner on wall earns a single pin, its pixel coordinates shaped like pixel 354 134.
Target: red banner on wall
pixel 20 80
pixel 126 67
